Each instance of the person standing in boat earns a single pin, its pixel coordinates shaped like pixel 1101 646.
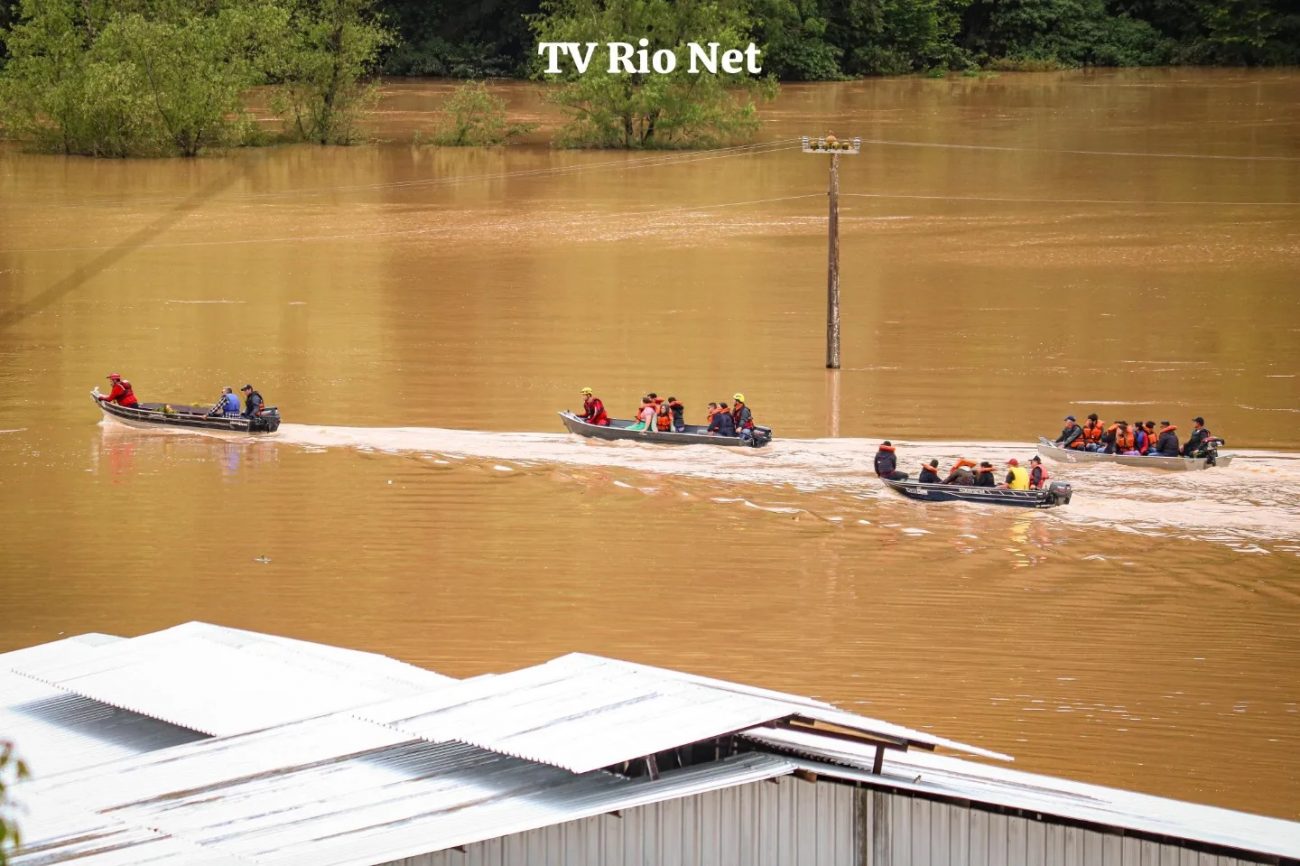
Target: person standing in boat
pixel 1017 478
pixel 722 423
pixel 1167 444
pixel 1197 440
pixel 593 410
pixel 121 393
pixel 253 402
pixel 984 475
pixel 1072 435
pixel 1037 473
pixel 929 472
pixel 887 463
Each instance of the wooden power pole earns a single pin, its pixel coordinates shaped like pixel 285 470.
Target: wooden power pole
pixel 833 146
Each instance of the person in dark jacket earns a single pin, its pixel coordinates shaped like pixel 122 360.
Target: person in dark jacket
pixel 677 410
pixel 961 473
pixel 1167 444
pixel 722 425
pixel 887 463
pixel 1037 474
pixel 984 477
pixel 1197 440
pixel 1072 435
pixel 253 402
pixel 929 473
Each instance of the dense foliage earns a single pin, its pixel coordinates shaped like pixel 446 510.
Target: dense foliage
pixel 652 109
pixel 475 117
pixel 12 769
pixel 812 40
pixel 162 77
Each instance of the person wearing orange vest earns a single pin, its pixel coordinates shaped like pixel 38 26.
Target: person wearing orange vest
pixel 713 410
pixel 1092 433
pixel 663 417
pixel 984 475
pixel 593 409
pixel 887 463
pixel 961 473
pixel 1167 444
pixel 1125 441
pixel 122 393
pixel 1037 473
pixel 742 418
pixel 679 414
pixel 929 473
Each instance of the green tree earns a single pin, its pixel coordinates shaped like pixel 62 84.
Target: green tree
pixel 12 769
pixel 333 45
pixel 452 38
pixel 794 40
pixel 892 37
pixel 633 110
pixel 477 118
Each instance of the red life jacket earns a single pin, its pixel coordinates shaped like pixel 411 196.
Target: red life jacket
pixel 749 424
pixel 1092 434
pixel 1042 476
pixel 593 411
pixel 123 395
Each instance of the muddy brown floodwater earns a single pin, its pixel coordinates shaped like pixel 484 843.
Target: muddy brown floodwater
pixel 1013 248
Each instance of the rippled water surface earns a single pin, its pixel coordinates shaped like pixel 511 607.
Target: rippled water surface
pixel 1124 243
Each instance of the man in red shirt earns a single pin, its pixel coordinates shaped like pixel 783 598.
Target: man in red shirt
pixel 122 393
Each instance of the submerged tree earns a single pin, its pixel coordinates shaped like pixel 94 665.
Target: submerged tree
pixel 477 118
pixel 635 110
pixel 332 46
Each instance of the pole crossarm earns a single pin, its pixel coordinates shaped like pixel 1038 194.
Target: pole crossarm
pixel 831 144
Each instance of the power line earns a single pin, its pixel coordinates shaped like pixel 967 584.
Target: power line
pixel 1007 148
pixel 1004 200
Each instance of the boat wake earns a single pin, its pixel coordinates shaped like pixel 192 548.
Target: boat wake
pixel 1257 498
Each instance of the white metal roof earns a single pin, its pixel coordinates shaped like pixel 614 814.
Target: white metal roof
pixel 223 681
pixel 335 791
pixel 943 776
pixel 583 712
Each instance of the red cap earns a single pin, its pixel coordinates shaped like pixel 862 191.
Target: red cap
pixel 1013 462
pixel 114 376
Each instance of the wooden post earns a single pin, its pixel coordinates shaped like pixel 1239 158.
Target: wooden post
pixel 834 147
pixel 833 271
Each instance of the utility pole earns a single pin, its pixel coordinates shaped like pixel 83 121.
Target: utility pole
pixel 830 144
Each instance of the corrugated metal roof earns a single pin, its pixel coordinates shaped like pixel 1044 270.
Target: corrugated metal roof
pixel 68 649
pixel 583 712
pixel 334 791
pixel 247 681
pixel 939 775
pixel 56 731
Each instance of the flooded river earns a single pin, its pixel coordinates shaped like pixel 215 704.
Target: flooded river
pixel 1013 249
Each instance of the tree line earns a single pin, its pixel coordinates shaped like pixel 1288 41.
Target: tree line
pixel 174 77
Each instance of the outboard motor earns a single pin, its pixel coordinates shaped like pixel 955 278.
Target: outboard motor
pixel 266 421
pixel 1209 450
pixel 1058 493
pixel 762 436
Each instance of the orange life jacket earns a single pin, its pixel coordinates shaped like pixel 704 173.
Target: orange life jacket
pixel 664 421
pixel 1091 433
pixel 1042 476
pixel 1125 440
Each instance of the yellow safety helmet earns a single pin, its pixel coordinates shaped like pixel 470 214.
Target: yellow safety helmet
pixel 585 391
pixel 740 397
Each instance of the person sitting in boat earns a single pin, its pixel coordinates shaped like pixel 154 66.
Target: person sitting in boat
pixel 227 404
pixel 678 412
pixel 722 423
pixel 713 410
pixel 1092 433
pixel 663 417
pixel 121 393
pixel 961 473
pixel 1037 473
pixel 1140 440
pixel 887 463
pixel 593 409
pixel 1017 478
pixel 742 418
pixel 984 475
pixel 1196 443
pixel 1072 435
pixel 253 402
pixel 645 416
pixel 1121 439
pixel 1149 428
pixel 929 472
pixel 1167 444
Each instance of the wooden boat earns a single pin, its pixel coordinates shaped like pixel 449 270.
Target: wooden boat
pixel 1049 449
pixel 695 434
pixel 1057 493
pixel 175 416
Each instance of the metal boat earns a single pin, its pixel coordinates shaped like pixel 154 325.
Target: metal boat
pixel 175 416
pixel 1057 493
pixel 695 434
pixel 1049 449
